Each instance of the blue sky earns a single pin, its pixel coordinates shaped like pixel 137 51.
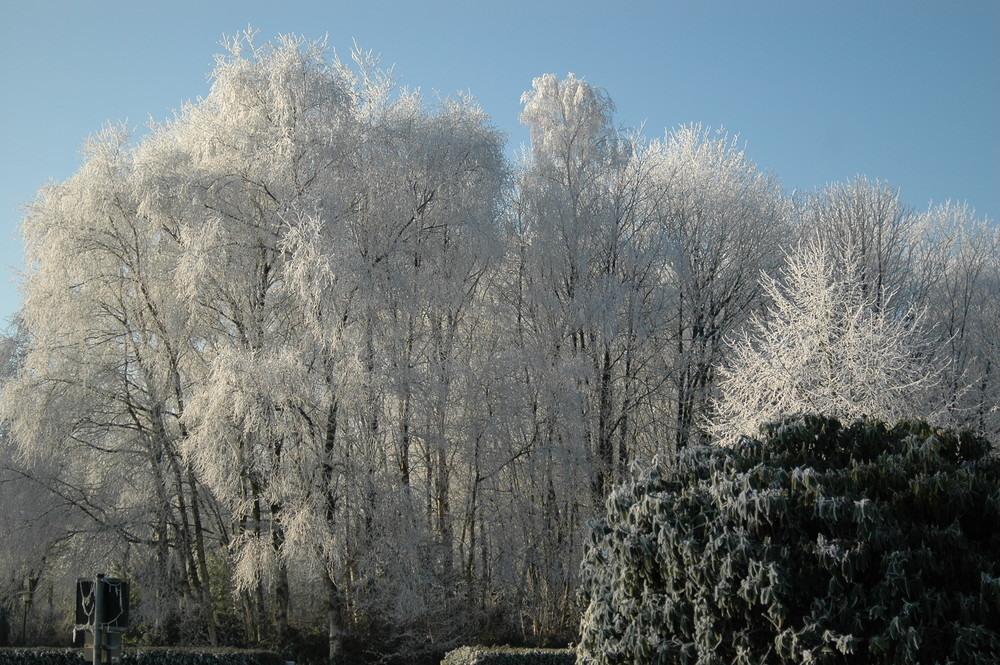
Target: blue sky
pixel 907 91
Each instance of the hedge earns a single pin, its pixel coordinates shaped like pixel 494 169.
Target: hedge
pixel 24 656
pixel 143 656
pixel 509 656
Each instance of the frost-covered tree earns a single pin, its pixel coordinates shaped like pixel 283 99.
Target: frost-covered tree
pixel 939 261
pixel 960 266
pixel 572 226
pixel 103 368
pixel 725 221
pixel 266 312
pixel 825 345
pixel 356 229
pixel 236 168
pixel 585 294
pixel 400 280
pixel 865 224
pixel 34 520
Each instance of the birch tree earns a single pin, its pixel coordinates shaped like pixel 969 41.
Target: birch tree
pixel 263 147
pixel 959 264
pixel 35 521
pixel 356 231
pixel 587 300
pixel 726 221
pixel 107 338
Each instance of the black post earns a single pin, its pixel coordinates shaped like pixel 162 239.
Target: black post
pixel 98 619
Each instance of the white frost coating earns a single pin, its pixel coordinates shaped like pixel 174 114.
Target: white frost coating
pixel 330 316
pixel 825 347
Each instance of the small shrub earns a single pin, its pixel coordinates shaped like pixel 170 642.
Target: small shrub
pixel 816 543
pixel 509 656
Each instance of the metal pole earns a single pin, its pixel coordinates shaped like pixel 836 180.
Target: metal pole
pixel 98 619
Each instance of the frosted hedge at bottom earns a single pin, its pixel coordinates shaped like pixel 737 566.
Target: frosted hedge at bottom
pixel 509 656
pixel 814 543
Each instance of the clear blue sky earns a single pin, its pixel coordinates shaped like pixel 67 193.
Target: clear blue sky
pixel 907 91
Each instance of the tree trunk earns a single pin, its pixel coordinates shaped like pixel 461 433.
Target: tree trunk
pixel 206 589
pixel 335 619
pixel 282 598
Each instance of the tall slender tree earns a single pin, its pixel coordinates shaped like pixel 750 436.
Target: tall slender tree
pixel 725 222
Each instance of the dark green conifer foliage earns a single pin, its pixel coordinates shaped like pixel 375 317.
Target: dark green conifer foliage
pixel 816 543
